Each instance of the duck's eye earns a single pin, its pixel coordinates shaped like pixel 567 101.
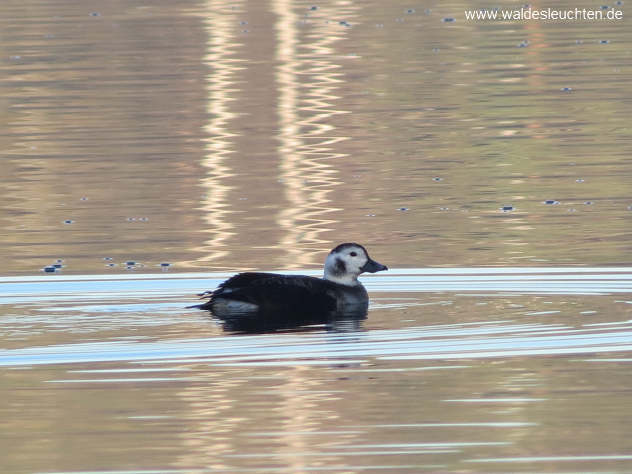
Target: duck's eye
pixel 353 254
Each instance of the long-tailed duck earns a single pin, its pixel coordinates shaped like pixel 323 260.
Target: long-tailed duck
pixel 262 301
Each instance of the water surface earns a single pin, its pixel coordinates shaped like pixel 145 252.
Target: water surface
pixel 487 163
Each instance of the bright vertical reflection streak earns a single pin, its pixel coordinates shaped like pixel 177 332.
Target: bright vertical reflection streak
pixel 219 21
pixel 305 136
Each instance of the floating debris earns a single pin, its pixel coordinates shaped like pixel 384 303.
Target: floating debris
pixel 551 202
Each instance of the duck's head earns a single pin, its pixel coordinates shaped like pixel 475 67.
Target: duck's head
pixel 347 261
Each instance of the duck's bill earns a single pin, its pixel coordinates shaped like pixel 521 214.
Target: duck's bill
pixel 372 266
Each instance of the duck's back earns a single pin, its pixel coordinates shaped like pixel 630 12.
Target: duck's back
pixel 273 298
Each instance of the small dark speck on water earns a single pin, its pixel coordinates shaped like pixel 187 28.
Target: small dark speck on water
pixel 410 11
pixel 604 41
pixel 436 178
pixel 589 203
pixel 111 265
pixel 402 209
pixel 619 2
pixel 69 221
pixel 49 269
pixel 313 8
pixel 344 23
pixel 507 208
pixel 107 259
pixel 243 23
pixel 130 263
pixel 448 20
pixel 523 44
pixel 566 89
pixel 57 265
pixel 579 180
pixel 83 198
pixel 604 7
pixel 95 14
pixel 165 264
pixel 551 202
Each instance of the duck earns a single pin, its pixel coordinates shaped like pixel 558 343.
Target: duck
pixel 257 301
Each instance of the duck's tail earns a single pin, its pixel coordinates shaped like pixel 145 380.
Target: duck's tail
pixel 205 296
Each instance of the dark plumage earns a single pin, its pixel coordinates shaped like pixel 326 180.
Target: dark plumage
pixel 264 301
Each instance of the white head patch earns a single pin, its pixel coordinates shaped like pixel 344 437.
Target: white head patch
pixel 344 264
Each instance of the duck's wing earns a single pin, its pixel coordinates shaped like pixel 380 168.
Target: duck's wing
pixel 271 292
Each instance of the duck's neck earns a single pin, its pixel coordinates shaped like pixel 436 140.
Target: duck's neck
pixel 343 279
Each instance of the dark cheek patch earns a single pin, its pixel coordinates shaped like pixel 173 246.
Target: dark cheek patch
pixel 340 267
